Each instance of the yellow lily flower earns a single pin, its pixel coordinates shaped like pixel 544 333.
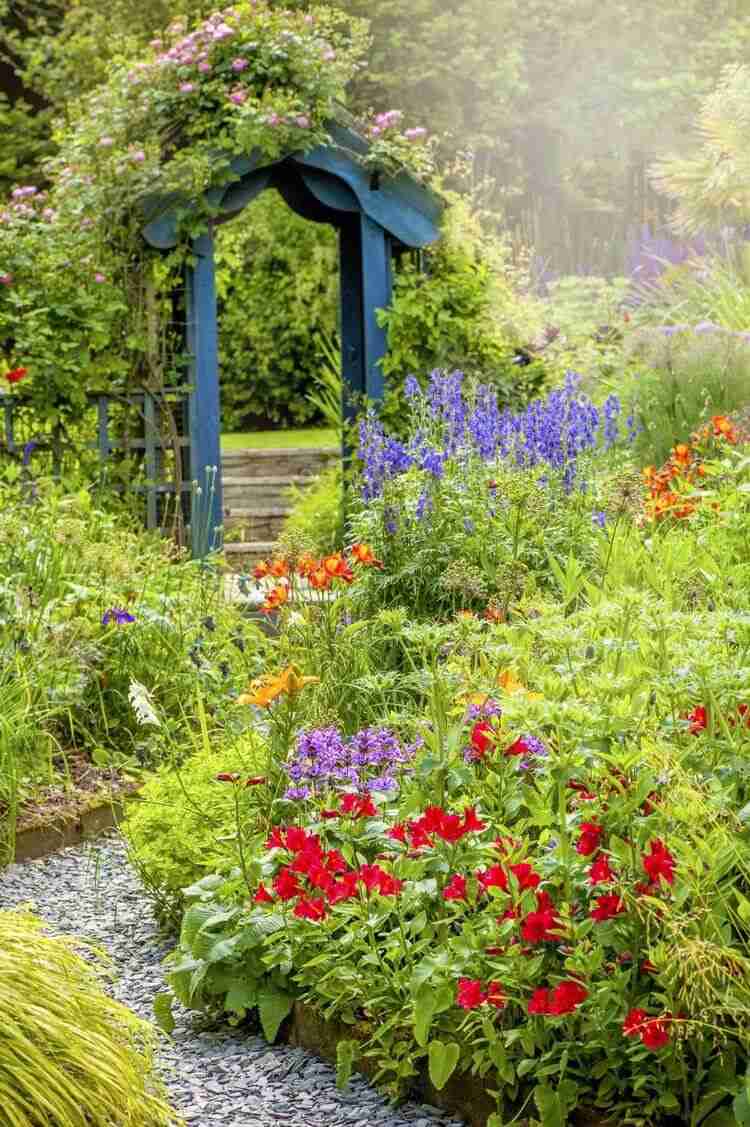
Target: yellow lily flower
pixel 265 690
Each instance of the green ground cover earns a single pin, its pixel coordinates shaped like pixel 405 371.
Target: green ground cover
pixel 311 437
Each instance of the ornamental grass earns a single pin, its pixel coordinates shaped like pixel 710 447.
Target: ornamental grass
pixel 69 1054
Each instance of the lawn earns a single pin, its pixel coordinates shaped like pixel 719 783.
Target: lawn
pixel 311 437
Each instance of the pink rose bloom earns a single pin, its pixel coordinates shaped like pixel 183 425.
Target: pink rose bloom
pixel 99 278
pixel 303 121
pixel 139 156
pixel 204 68
pixel 105 142
pixel 238 97
pixel 415 134
pixel 6 279
pixel 187 87
pixel 329 55
pixel 239 65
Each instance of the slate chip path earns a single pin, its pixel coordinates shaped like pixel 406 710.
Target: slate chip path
pixel 216 1077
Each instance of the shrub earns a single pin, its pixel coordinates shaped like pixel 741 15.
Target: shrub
pixel 316 517
pixel 69 1055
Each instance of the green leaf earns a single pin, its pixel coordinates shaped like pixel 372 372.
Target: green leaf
pixel 424 1011
pixel 346 1054
pixel 163 1011
pixel 442 1059
pixel 550 1106
pixel 242 994
pixel 273 1007
pixel 194 919
pixel 741 1107
pixel 721 1118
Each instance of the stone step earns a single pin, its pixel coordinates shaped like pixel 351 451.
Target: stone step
pixel 243 555
pixel 261 492
pixel 256 523
pixel 291 462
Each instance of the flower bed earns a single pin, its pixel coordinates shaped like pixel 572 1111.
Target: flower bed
pixel 500 838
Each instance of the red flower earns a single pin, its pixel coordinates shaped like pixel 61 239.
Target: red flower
pixel 518 747
pixel 450 827
pixel 343 889
pixel 482 739
pixel 601 871
pixel 495 995
pixel 310 909
pixel 659 862
pixel 296 838
pixel 647 967
pixel 286 885
pixel 263 896
pixel 16 374
pixel 607 907
pixel 471 823
pixel 255 781
pixel 494 877
pixel 583 793
pixel 540 926
pixel 539 1001
pixel 655 1033
pixel 633 1023
pixel 588 842
pixel 525 875
pixel 225 777
pixel 328 815
pixel 698 719
pixel 744 711
pixel 359 806
pixel 566 997
pixel 375 878
pixel 470 993
pixel 398 833
pixel 455 889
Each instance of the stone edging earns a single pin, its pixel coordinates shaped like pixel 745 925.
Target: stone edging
pixel 66 829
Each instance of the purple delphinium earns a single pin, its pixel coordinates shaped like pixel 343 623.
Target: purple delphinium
pixel 117 615
pixel 411 387
pixel 599 519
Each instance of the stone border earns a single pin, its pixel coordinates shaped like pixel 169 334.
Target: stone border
pixel 69 828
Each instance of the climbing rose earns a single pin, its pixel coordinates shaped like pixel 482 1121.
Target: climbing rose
pixel 659 862
pixel 588 842
pixel 470 993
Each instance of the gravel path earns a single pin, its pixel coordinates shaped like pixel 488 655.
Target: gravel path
pixel 216 1078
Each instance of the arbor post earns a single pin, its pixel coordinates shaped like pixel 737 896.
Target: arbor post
pixel 206 510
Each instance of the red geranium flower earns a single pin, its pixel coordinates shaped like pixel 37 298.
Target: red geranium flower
pixel 698 719
pixel 494 877
pixel 539 1001
pixel 566 997
pixel 633 1023
pixel 495 995
pixel 659 862
pixel 306 909
pixel 482 739
pixel 601 871
pixel 16 374
pixel 607 907
pixel 359 806
pixel 525 875
pixel 455 889
pixel 470 994
pixel 540 926
pixel 263 896
pixel 588 842
pixel 286 885
pixel 518 747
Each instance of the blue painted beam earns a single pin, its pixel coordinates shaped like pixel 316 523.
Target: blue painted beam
pixel 206 514
pixel 376 295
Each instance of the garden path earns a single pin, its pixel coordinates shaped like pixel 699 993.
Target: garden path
pixel 217 1077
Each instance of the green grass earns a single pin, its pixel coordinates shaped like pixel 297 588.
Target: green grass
pixel 279 439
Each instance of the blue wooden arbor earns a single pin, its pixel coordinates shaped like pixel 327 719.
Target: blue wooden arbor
pixel 376 216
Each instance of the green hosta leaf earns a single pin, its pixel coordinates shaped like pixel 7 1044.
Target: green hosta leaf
pixel 442 1058
pixel 163 1012
pixel 273 1007
pixel 346 1054
pixel 195 917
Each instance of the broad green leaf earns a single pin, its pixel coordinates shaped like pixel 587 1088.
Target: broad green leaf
pixel 346 1054
pixel 242 994
pixel 442 1060
pixel 163 1012
pixel 424 1011
pixel 273 1007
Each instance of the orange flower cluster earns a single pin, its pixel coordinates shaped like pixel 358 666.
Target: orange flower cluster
pixel 320 574
pixel 668 486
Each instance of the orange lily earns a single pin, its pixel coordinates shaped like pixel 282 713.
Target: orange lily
pixel 265 690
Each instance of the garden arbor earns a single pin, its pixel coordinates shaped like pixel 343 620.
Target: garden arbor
pixel 376 215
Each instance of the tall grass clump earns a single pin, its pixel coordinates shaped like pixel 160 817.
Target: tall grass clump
pixel 69 1054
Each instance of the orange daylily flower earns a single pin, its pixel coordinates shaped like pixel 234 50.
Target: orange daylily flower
pixel 279 569
pixel 319 579
pixel 276 598
pixel 265 690
pixel 724 428
pixel 364 554
pixel 338 568
pixel 510 684
pixel 261 570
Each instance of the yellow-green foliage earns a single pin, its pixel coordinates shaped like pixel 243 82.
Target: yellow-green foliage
pixel 70 1056
pixel 184 824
